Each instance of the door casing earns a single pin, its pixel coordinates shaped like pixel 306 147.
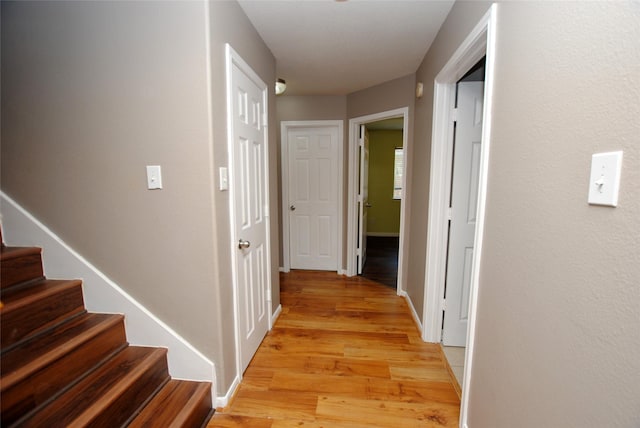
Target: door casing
pixel 352 199
pixel 284 163
pixel 480 42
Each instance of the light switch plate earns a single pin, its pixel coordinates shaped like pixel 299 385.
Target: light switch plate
pixel 154 177
pixel 604 181
pixel 224 178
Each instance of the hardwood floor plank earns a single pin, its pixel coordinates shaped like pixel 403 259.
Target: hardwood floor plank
pixel 345 352
pixel 388 413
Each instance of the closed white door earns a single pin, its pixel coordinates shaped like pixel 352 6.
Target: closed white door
pixel 464 201
pixel 363 198
pixel 249 169
pixel 313 197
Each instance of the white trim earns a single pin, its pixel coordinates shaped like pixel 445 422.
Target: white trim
pixel 284 165
pixel 275 316
pixel 352 201
pixel 222 402
pixel 101 294
pixel 414 314
pixel 231 58
pixel 480 42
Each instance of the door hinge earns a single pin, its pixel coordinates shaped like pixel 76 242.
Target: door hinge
pixel 449 213
pixel 444 304
pixel 360 198
pixel 358 252
pixel 454 115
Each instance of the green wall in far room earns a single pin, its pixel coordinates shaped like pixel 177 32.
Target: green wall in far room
pixel 384 214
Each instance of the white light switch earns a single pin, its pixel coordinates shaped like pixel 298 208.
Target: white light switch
pixel 224 178
pixel 154 177
pixel 604 181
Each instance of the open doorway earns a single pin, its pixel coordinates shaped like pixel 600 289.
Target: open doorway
pixel 467 146
pixel 480 43
pixel 357 196
pixel 385 171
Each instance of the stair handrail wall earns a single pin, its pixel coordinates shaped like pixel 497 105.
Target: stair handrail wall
pixel 101 294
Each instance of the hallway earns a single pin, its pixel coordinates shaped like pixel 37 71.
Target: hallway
pixel 345 352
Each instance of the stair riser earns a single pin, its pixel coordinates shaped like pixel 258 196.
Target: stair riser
pixel 40 387
pixel 133 398
pixel 20 269
pixel 19 323
pixel 200 413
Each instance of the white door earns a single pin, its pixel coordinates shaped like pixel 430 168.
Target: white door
pixel 313 197
pixel 250 234
pixel 363 198
pixel 464 198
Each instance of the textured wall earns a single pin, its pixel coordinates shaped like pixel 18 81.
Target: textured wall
pixel 93 92
pixel 558 319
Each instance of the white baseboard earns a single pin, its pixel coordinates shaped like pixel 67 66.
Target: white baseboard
pixel 275 315
pixel 384 234
pixel 414 314
pixel 223 401
pixel 101 294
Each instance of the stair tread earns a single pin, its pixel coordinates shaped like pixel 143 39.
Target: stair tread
pixel 8 253
pixel 179 403
pixel 97 391
pixel 23 360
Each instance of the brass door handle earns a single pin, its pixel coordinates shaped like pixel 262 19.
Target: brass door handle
pixel 243 244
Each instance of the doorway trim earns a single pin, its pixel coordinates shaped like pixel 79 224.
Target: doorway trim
pixel 285 126
pixel 352 200
pixel 480 42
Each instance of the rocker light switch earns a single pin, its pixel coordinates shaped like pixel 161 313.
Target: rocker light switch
pixel 604 181
pixel 154 177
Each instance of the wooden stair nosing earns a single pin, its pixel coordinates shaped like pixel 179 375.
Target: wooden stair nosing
pixel 183 403
pixel 120 382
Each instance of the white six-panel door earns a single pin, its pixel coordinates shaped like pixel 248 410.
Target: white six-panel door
pixel 313 197
pixel 464 201
pixel 249 181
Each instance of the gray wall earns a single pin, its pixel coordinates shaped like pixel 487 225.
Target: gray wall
pixel 557 330
pixel 93 92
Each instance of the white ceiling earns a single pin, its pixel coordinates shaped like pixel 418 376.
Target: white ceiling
pixel 328 47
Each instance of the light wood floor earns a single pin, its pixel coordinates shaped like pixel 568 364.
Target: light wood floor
pixel 345 352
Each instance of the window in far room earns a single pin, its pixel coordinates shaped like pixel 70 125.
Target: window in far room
pixel 397 173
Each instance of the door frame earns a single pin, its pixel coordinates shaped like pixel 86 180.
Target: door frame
pixel 285 126
pixel 352 201
pixel 233 58
pixel 480 42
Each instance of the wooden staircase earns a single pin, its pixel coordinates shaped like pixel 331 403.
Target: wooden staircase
pixel 62 366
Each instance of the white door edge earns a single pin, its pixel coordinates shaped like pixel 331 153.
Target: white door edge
pixel 352 200
pixel 231 58
pixel 285 126
pixel 480 42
